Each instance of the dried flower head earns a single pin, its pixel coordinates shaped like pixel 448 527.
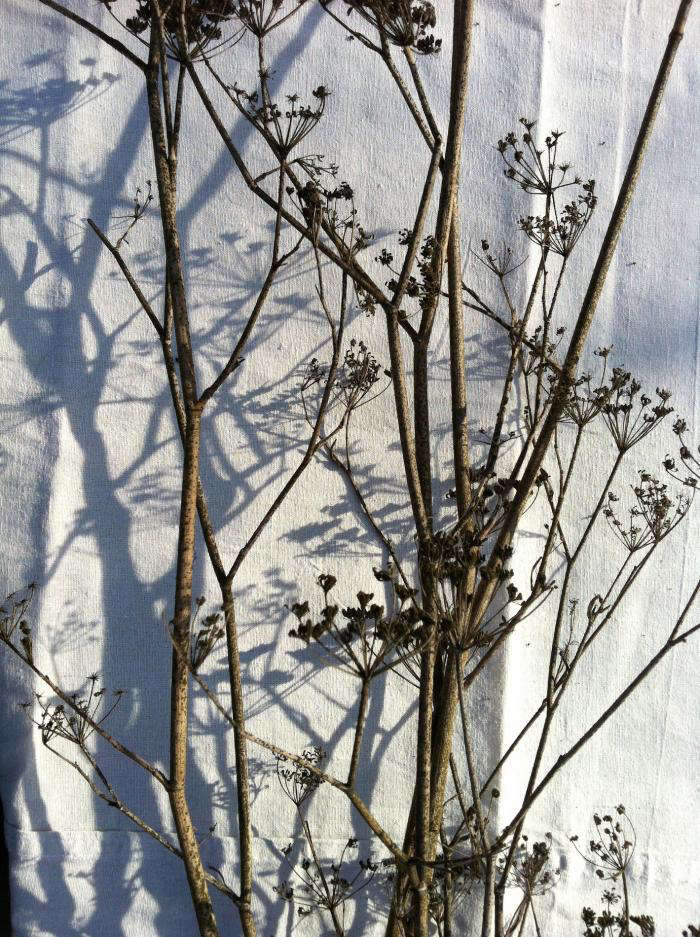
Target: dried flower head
pixel 690 462
pixel 654 515
pixel 611 847
pixel 204 20
pixel 325 885
pixel 370 641
pixel 403 23
pixel 299 781
pixel 525 164
pixel 629 414
pixel 74 723
pixel 561 233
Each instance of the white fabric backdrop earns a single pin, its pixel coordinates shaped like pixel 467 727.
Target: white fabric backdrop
pixel 90 460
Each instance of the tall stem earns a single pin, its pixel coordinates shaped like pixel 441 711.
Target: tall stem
pixel 179 692
pixel 423 786
pixel 245 832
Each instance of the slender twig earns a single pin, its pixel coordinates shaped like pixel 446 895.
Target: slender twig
pixel 675 638
pixel 112 800
pixel 96 31
pixel 145 305
pixel 65 698
pixel 315 442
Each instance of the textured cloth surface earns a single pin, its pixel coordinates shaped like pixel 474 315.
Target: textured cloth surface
pixel 90 457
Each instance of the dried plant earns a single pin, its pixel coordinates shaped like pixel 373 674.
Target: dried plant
pixel 456 590
pixel 610 853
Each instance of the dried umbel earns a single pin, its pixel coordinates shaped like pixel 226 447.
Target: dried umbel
pixel 299 781
pixel 652 517
pixel 537 176
pixel 561 232
pixel 587 397
pixel 203 20
pixel 260 17
pixel 76 723
pixel 611 848
pixel 283 126
pixel 404 23
pixel 610 853
pixel 501 263
pixel 142 201
pixel 319 886
pixel 689 461
pixel 331 210
pixel 368 640
pixel 421 287
pixel 531 870
pixel 630 415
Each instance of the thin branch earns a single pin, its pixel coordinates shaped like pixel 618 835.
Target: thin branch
pixel 112 800
pixel 136 289
pixel 315 441
pixel 155 773
pixel 675 638
pixel 339 785
pixel 96 31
